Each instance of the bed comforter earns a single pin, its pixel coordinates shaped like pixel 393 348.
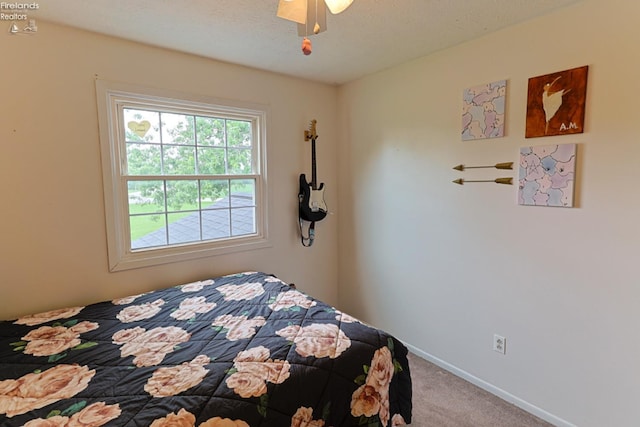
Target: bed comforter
pixel 239 350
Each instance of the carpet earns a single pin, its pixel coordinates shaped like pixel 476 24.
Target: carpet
pixel 442 399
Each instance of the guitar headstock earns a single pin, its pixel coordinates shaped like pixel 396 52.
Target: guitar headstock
pixel 311 133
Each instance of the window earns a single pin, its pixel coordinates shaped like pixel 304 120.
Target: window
pixel 183 176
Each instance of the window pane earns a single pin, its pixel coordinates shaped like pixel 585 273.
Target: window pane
pixel 184 227
pixel 145 197
pixel 243 192
pixel 216 224
pixel 238 133
pixel 210 131
pixel 242 221
pixel 179 160
pixel 143 159
pixel 211 161
pixel 177 129
pixel 239 161
pixel 214 194
pixel 182 195
pixel 147 231
pixel 141 125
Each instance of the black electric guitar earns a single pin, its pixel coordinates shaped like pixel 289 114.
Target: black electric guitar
pixel 311 196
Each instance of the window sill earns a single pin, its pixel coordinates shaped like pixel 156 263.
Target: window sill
pixel 178 253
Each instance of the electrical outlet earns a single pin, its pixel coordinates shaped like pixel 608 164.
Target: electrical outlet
pixel 499 344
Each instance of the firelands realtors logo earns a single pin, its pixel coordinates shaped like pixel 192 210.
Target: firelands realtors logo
pixel 17 14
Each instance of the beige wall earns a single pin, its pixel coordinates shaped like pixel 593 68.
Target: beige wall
pixel 52 228
pixel 444 267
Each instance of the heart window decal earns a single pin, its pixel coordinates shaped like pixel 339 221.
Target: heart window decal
pixel 139 128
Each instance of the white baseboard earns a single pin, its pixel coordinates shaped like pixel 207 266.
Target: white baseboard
pixel 504 395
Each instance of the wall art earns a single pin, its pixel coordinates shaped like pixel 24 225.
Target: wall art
pixel 556 103
pixel 483 111
pixel 547 175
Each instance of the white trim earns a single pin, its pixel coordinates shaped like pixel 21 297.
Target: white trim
pixel 109 96
pixel 504 395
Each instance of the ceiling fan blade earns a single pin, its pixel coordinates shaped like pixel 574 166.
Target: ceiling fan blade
pixel 293 10
pixel 338 6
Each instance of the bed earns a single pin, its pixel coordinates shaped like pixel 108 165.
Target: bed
pixel 239 350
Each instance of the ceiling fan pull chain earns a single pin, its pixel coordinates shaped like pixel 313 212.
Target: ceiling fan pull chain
pixel 306 43
pixel 316 27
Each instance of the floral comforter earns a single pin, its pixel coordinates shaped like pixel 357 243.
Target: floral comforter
pixel 240 350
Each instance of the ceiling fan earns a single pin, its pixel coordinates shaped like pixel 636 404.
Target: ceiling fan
pixel 310 16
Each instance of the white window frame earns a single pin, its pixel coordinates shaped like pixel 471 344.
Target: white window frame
pixel 111 97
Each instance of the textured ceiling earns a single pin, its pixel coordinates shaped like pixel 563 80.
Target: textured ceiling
pixel 369 36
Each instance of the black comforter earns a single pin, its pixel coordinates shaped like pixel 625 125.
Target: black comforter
pixel 240 350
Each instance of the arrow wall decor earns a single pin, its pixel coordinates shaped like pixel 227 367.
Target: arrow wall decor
pixel 508 181
pixel 508 165
pixel 505 165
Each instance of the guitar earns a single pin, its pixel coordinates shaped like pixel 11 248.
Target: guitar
pixel 311 196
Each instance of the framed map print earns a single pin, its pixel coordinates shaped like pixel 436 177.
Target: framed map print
pixel 547 175
pixel 556 102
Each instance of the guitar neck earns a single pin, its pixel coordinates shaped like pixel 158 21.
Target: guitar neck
pixel 311 135
pixel 313 164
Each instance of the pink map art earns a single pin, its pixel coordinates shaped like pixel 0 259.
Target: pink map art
pixel 547 175
pixel 483 111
